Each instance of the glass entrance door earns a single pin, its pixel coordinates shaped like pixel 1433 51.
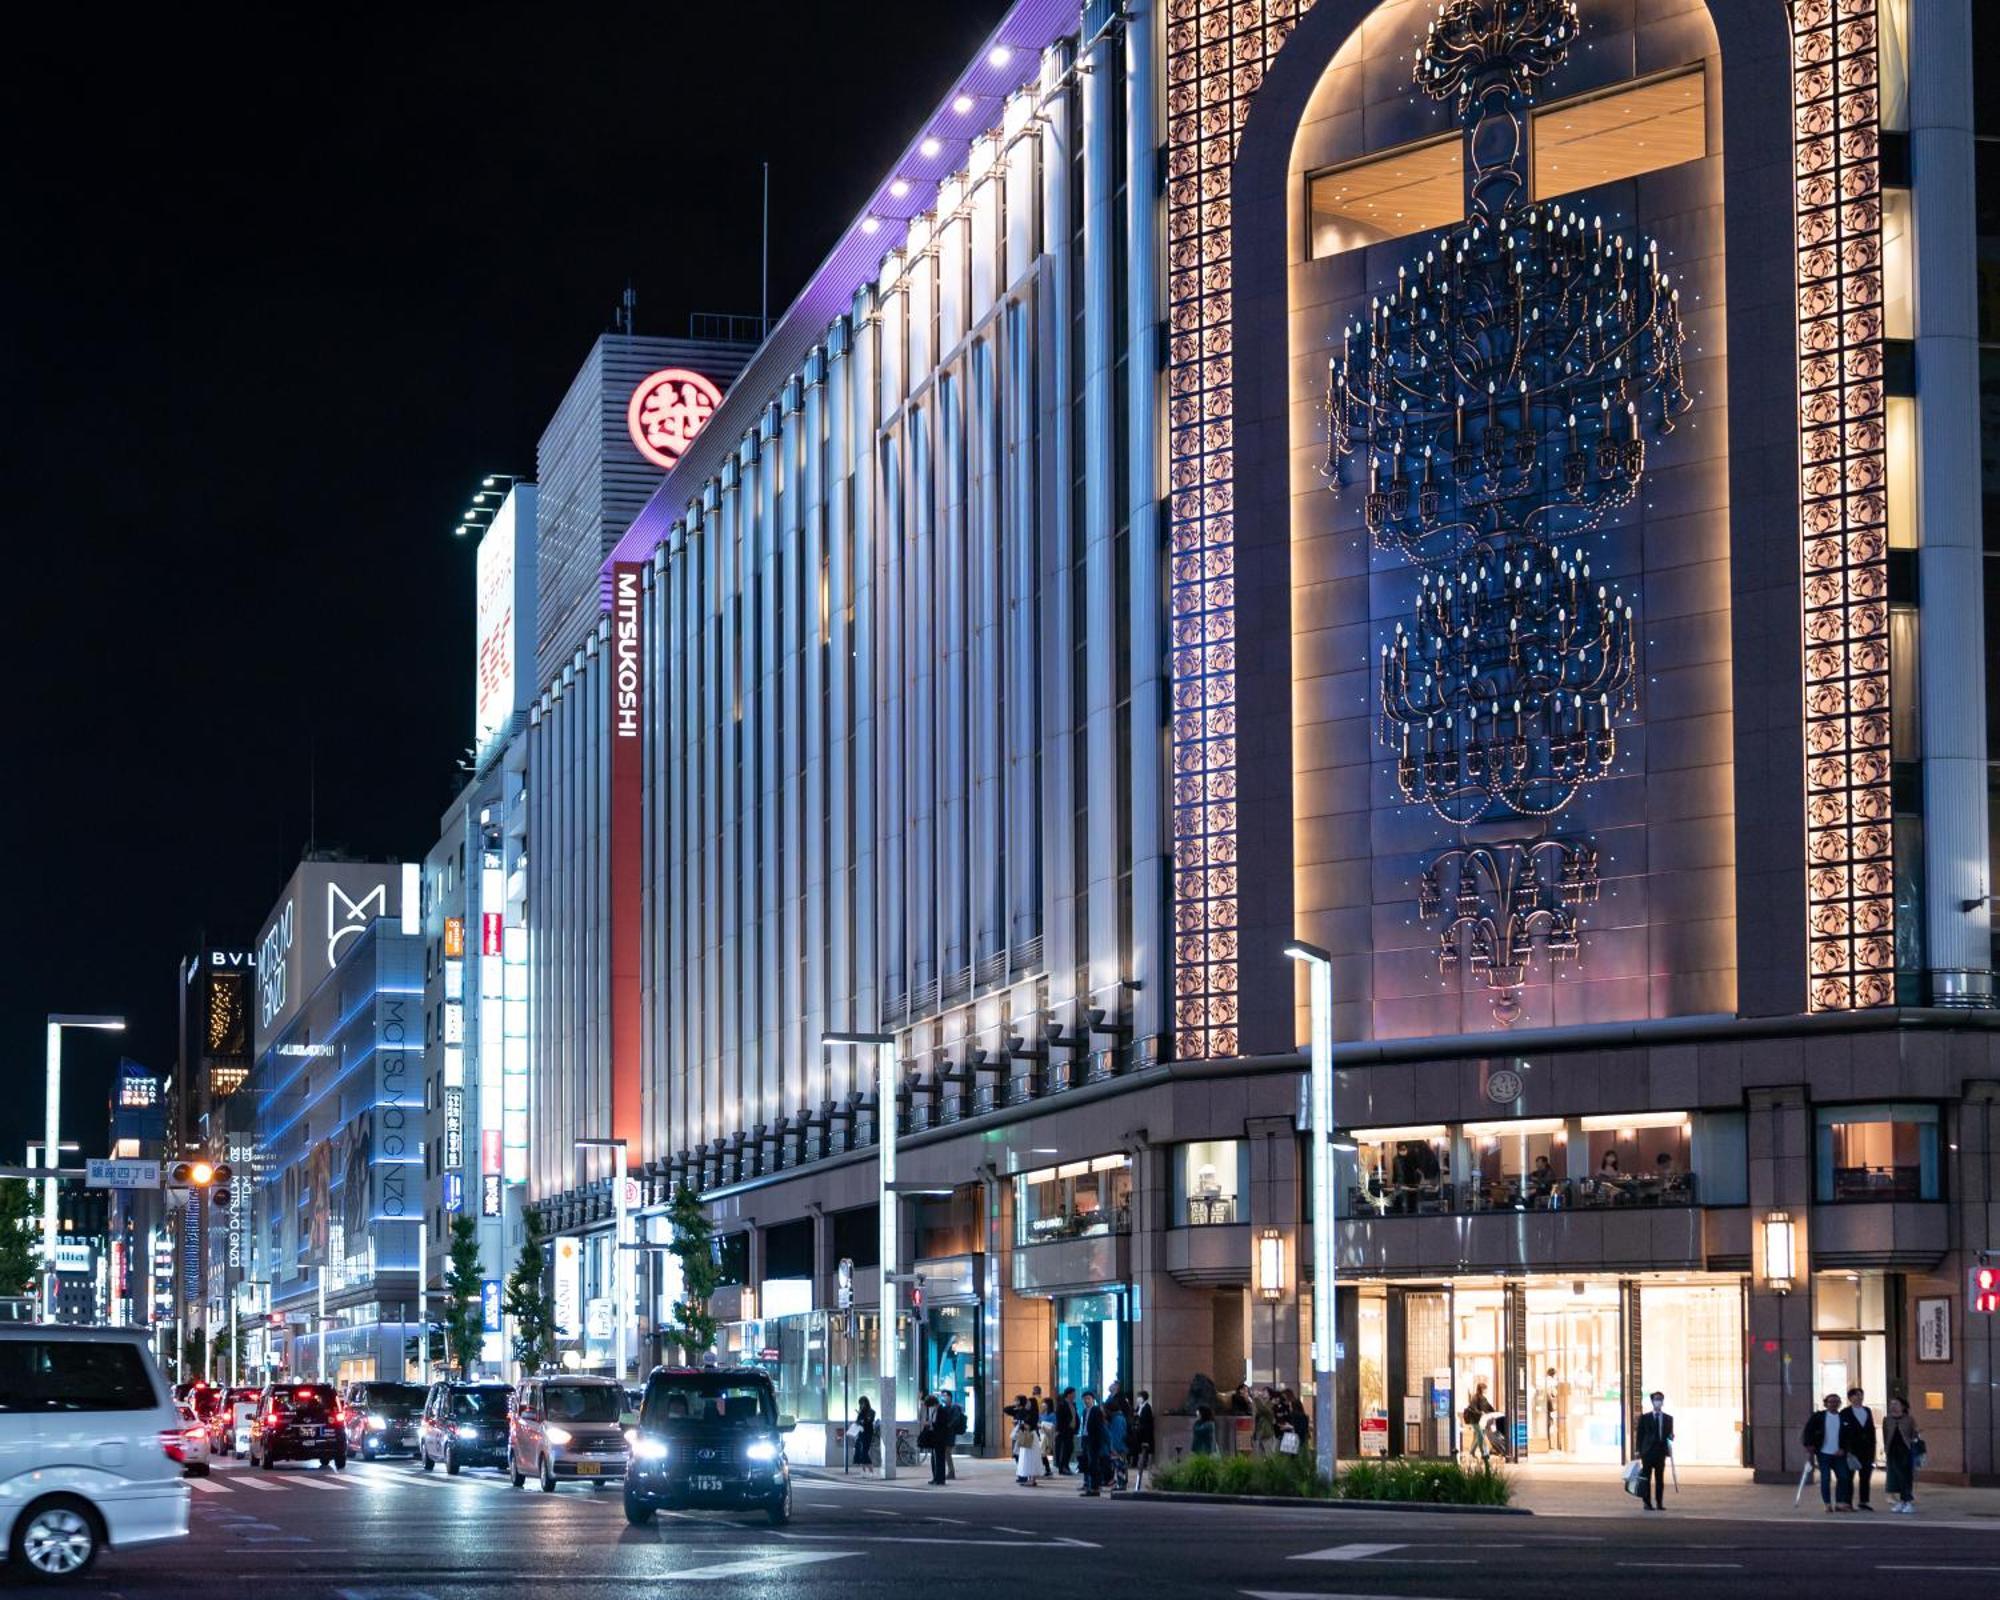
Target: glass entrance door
pixel 1575 1388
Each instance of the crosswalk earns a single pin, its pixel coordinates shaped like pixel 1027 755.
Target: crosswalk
pixel 317 1480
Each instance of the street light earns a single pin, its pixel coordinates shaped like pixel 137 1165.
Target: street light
pixel 59 1020
pixel 619 1299
pixel 1319 965
pixel 885 1151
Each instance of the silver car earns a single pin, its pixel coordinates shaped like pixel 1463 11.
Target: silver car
pixel 90 1441
pixel 567 1427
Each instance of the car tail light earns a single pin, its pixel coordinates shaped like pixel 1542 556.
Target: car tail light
pixel 171 1443
pixel 275 1419
pixel 338 1416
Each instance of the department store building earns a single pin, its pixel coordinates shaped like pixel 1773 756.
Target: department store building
pixel 1490 488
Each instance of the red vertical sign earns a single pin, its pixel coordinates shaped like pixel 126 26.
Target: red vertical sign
pixel 628 747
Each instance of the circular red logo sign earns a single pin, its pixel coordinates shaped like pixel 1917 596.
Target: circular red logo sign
pixel 667 410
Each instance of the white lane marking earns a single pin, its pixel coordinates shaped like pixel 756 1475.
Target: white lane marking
pixel 1679 1566
pixel 208 1486
pixel 1038 1542
pixel 1349 1552
pixel 1025 1533
pixel 1309 1594
pixel 1881 1568
pixel 255 1483
pixel 319 1483
pixel 383 1594
pixel 758 1566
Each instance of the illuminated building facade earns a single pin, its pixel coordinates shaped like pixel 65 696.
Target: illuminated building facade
pixel 1434 478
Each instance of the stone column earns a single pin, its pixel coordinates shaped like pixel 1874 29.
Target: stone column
pixel 1780 1381
pixel 1272 1334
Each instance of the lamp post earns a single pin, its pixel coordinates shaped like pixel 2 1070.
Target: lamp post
pixel 885 1150
pixel 619 1299
pixel 51 1133
pixel 1319 966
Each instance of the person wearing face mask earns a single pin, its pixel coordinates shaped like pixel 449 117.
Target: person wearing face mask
pixel 1653 1443
pixel 1858 1439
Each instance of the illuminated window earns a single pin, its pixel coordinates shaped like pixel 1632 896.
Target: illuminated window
pixel 1882 1152
pixel 1407 191
pixel 1209 1187
pixel 1079 1200
pixel 1898 314
pixel 1641 127
pixel 1902 477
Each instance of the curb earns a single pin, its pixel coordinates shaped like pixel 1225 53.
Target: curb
pixel 1299 1501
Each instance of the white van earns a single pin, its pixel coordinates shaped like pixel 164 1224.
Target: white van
pixel 85 1422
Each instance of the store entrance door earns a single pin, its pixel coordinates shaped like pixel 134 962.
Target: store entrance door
pixel 1089 1336
pixel 1575 1384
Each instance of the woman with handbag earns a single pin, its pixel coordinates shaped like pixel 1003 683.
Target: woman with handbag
pixel 1026 1443
pixel 1903 1447
pixel 861 1431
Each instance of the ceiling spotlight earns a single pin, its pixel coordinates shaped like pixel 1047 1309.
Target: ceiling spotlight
pixel 999 56
pixel 900 188
pixel 962 105
pixel 930 147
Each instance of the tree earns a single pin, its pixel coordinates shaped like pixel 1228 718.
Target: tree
pixel 693 1244
pixel 464 1319
pixel 20 1260
pixel 529 1302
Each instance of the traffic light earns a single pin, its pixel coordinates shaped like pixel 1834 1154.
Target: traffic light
pixel 1984 1290
pixel 218 1192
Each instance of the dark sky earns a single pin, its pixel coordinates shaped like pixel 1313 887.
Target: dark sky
pixel 277 293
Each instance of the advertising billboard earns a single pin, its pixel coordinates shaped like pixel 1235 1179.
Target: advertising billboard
pixel 504 605
pixel 324 910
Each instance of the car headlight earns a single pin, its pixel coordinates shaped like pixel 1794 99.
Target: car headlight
pixel 375 1423
pixel 556 1435
pixel 762 1450
pixel 649 1449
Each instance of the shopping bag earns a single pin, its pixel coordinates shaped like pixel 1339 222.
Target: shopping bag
pixel 1634 1471
pixel 853 1430
pixel 1288 1443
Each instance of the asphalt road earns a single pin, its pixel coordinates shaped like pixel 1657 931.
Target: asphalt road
pixel 384 1531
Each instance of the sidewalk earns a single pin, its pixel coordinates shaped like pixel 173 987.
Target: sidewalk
pixel 1705 1493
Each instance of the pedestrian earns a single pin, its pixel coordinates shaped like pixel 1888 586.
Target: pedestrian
pixel 1474 1417
pixel 1144 1434
pixel 1264 1424
pixel 1240 1402
pixel 1045 1425
pixel 1902 1450
pixel 1025 1442
pixel 1653 1442
pixel 1857 1440
pixel 1822 1437
pixel 1094 1432
pixel 954 1425
pixel 1203 1442
pixel 864 1433
pixel 934 1436
pixel 1069 1422
pixel 1117 1437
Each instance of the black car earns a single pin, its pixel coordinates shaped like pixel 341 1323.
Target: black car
pixel 382 1418
pixel 709 1438
pixel 299 1422
pixel 464 1425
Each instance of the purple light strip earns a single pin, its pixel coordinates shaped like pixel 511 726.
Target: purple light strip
pixel 1029 28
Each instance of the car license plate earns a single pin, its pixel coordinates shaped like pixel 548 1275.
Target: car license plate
pixel 586 1469
pixel 707 1485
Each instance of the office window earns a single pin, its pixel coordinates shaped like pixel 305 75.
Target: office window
pixel 1406 191
pixel 1210 1184
pixel 1879 1152
pixel 1639 127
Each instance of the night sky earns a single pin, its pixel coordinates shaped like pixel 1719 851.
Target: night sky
pixel 278 292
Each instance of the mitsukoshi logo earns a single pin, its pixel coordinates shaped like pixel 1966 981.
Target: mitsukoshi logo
pixel 346 917
pixel 625 652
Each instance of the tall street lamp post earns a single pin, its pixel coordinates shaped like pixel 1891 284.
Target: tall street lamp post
pixel 59 1020
pixel 885 1149
pixel 1319 967
pixel 620 1300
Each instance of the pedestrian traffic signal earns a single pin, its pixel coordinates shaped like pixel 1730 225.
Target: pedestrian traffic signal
pixel 1985 1290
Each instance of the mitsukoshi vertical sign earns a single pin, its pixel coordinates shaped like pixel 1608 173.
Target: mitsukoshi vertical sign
pixel 628 746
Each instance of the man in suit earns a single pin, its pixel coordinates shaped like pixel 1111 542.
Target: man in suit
pixel 1857 1441
pixel 1096 1443
pixel 1653 1444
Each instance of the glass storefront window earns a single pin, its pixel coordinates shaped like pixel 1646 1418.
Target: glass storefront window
pixel 1879 1152
pixel 1636 1158
pixel 1640 127
pixel 1405 191
pixel 1208 1184
pixel 1090 1331
pixel 1691 1346
pixel 1079 1200
pixel 1576 1385
pixel 1513 1165
pixel 1399 1172
pixel 1850 1344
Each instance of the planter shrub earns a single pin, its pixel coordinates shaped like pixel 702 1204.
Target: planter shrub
pixel 1292 1478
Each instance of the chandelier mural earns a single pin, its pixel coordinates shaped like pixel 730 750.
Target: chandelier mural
pixel 1493 407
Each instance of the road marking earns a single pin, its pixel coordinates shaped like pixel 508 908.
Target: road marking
pixel 1680 1566
pixel 1881 1568
pixel 383 1594
pixel 1309 1594
pixel 255 1483
pixel 1025 1533
pixel 1038 1542
pixel 208 1486
pixel 1349 1552
pixel 757 1566
pixel 320 1483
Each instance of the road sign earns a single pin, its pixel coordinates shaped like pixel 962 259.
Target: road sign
pixel 121 1174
